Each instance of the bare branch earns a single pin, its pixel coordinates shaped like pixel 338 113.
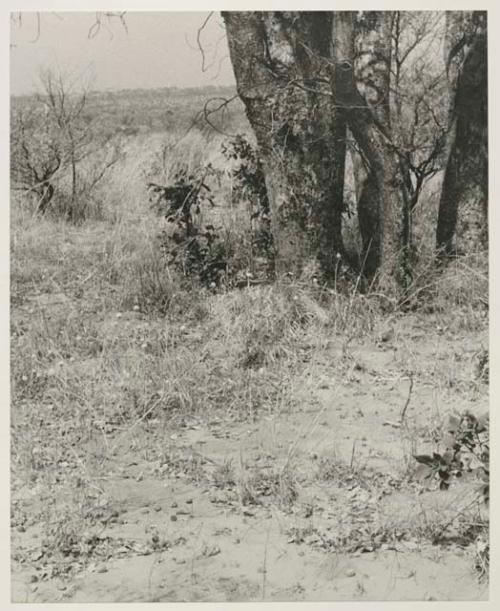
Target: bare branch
pixel 103 19
pixel 37 35
pixel 222 106
pixel 204 68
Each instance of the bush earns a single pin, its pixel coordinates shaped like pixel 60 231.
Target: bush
pixel 466 451
pixel 216 257
pixel 191 247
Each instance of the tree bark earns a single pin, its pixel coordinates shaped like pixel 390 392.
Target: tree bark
pixel 463 208
pixel 282 66
pixel 383 203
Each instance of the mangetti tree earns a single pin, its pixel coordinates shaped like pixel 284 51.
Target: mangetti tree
pixel 284 75
pixel 306 78
pixel 295 74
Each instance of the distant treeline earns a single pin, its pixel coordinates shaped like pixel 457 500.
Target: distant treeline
pixel 136 111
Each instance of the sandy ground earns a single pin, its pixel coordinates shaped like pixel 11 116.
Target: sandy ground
pixel 348 528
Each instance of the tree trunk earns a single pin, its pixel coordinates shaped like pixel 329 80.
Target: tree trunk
pixel 45 194
pixel 383 203
pixel 463 208
pixel 281 64
pixel 71 212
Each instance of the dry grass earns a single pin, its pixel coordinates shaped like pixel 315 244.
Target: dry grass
pixel 112 350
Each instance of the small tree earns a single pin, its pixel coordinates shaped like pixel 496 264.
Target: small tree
pixel 53 142
pixel 362 54
pixel 418 89
pixel 36 154
pixel 65 108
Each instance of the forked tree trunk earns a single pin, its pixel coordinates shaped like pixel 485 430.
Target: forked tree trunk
pixel 45 195
pixel 282 66
pixel 463 209
pixel 383 202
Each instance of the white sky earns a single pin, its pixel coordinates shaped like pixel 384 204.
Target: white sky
pixel 159 50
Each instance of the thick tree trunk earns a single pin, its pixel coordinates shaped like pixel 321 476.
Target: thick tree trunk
pixel 463 208
pixel 383 203
pixel 281 64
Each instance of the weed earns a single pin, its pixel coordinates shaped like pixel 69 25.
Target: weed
pixel 224 475
pixel 277 486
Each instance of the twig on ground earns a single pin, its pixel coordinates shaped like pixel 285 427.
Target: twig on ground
pixel 403 411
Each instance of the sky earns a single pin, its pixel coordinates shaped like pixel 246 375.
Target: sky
pixel 155 50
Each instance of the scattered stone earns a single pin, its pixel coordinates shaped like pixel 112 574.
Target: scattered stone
pixel 101 568
pixel 173 518
pixel 350 573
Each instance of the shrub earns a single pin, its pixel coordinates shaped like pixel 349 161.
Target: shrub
pixel 194 248
pixel 249 184
pixel 199 248
pixel 467 450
